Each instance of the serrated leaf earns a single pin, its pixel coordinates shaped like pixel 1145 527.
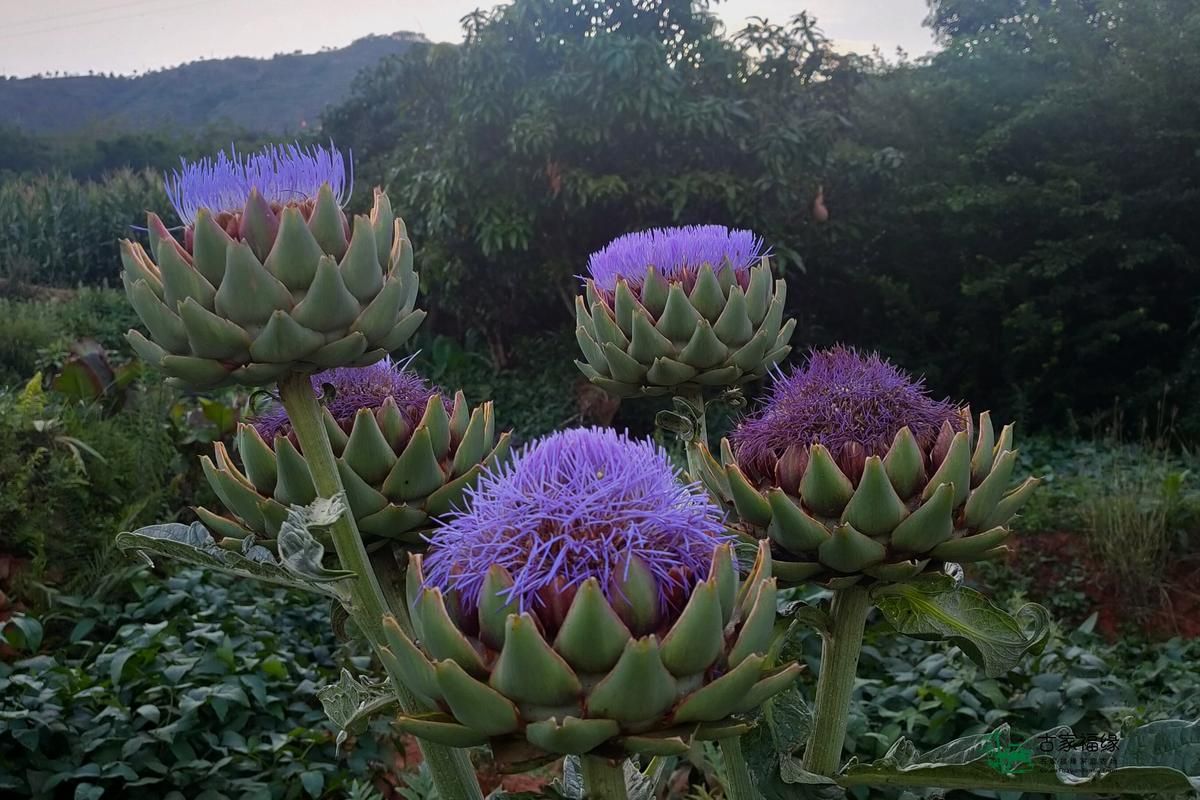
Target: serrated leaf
pixel 933 608
pixel 350 703
pixel 299 551
pixel 193 544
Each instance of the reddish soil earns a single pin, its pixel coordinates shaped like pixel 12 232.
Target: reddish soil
pixel 489 778
pixel 1172 611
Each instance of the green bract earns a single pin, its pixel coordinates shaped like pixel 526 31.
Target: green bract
pixel 891 518
pixel 396 477
pixel 614 678
pixel 298 289
pixel 658 339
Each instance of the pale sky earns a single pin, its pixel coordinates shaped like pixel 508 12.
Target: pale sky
pixel 124 36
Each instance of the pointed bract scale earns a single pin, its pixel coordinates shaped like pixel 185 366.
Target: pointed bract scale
pixel 717 700
pixel 360 266
pixel 328 306
pixel 733 326
pixel 591 351
pixel 723 573
pixel 146 350
pixel 695 640
pixel 211 336
pixel 654 292
pixel 416 473
pixel 328 223
pixel 379 318
pixel 1004 442
pixel 905 464
pixel 529 671
pixel 941 445
pixel 592 636
pixel 704 349
pixel 472 446
pixel 294 256
pixel 210 243
pixel 984 499
pixel 971 548
pixel 401 332
pixel 166 328
pixel 495 607
pixel 790 467
pixel 437 422
pixel 897 571
pixel 851 459
pixel 382 222
pixel 634 595
pixel 824 488
pixel 258 225
pixel 233 494
pixel 955 468
pixel 760 570
pixel 337 437
pixel 621 366
pixel 638 689
pixel 161 240
pixel 749 357
pixel 401 258
pixel 624 306
pixel 571 735
pixel 363 499
pixel 367 451
pixel 295 486
pixel 583 318
pixel 1011 503
pixel 981 461
pixel 747 501
pixel 669 372
pixel 646 343
pixel 439 728
pixel 139 267
pixel 679 318
pixel 792 529
pixel 415 669
pixel 475 704
pixel 258 459
pixel 707 296
pixel 196 372
pixel 930 524
pixel 759 625
pixel 875 509
pixel 848 550
pixel 392 425
pixel 181 280
pixel 459 416
pixel 758 293
pixel 767 687
pixel 608 332
pixel 439 636
pixel 284 340
pixel 249 295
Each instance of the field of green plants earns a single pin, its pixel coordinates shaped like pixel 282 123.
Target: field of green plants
pixel 996 218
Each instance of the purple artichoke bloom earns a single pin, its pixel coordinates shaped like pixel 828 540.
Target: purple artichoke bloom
pixel 578 504
pixel 677 254
pixel 852 403
pixel 283 174
pixel 356 388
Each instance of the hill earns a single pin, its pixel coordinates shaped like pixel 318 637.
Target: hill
pixel 275 95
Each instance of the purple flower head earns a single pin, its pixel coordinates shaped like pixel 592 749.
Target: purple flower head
pixel 676 253
pixel 355 388
pixel 283 174
pixel 840 397
pixel 574 505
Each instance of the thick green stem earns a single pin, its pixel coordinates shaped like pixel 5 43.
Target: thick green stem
pixel 451 769
pixel 740 787
pixel 602 778
pixel 835 685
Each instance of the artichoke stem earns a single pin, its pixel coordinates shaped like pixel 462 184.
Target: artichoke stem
pixel 840 648
pixel 737 773
pixel 603 779
pixel 451 769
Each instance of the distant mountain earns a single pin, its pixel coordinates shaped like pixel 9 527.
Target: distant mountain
pixel 275 95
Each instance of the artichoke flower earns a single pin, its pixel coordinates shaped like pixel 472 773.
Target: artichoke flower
pixel 270 276
pixel 853 472
pixel 405 454
pixel 673 310
pixel 585 601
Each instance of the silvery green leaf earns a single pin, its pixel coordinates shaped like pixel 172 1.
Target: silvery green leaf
pixel 933 608
pixel 1158 758
pixel 349 703
pixel 637 785
pixel 774 746
pixel 570 785
pixel 193 544
pixel 299 551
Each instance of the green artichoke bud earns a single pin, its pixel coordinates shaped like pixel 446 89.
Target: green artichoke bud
pixel 852 472
pixel 405 456
pixel 675 310
pixel 270 276
pixel 585 602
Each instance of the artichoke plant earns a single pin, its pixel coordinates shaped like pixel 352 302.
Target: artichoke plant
pixel 853 472
pixel 674 310
pixel 585 602
pixel 269 276
pixel 404 452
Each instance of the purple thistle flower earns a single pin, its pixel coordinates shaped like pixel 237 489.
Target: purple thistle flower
pixel 676 253
pixel 356 388
pixel 840 397
pixel 574 505
pixel 283 174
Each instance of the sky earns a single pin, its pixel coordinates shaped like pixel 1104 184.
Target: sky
pixel 127 36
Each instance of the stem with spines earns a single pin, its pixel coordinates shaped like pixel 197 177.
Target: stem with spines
pixel 741 785
pixel 450 768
